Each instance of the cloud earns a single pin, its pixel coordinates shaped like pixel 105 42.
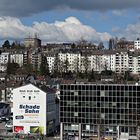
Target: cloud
pixel 119 12
pixel 69 30
pixel 131 32
pixel 22 8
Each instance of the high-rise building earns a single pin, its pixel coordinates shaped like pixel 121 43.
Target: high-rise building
pixel 98 112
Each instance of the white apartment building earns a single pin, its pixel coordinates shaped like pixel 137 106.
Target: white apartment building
pixel 73 58
pixel 134 62
pixel 121 62
pixel 109 61
pixel 4 58
pixel 97 61
pixel 17 58
pixel 50 60
pixel 118 61
pixel 137 44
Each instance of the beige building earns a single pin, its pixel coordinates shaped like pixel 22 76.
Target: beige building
pixel 32 42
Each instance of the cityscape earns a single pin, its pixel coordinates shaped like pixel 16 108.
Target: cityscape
pixel 69 70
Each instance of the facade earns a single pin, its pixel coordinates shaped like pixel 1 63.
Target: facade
pixel 35 59
pixel 73 58
pixel 98 112
pixel 121 61
pixel 34 110
pixel 17 58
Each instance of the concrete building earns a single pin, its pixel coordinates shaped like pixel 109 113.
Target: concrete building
pixel 98 112
pixel 34 110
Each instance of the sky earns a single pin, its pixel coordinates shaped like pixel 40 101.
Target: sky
pixel 69 20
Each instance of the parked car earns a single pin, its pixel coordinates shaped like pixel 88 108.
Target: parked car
pixel 4 119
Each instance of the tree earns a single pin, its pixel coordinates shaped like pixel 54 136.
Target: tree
pixel 111 43
pixel 57 67
pixel 44 67
pixel 101 46
pixel 86 63
pixel 66 65
pixel 6 44
pixel 92 76
pixel 12 68
pixel 76 65
pixel 28 68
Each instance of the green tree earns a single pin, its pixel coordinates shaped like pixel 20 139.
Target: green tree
pixel 76 65
pixel 12 68
pixel 66 65
pixel 101 46
pixel 6 44
pixel 57 66
pixel 44 67
pixel 28 68
pixel 86 63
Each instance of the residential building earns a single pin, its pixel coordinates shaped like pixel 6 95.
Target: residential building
pixel 35 59
pixel 17 58
pixel 73 58
pixel 97 111
pixel 51 59
pixel 121 61
pixel 4 58
pixel 34 110
pixel 137 44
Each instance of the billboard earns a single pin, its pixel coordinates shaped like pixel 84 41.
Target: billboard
pixel 28 113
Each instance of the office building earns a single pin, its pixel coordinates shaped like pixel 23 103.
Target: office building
pixel 95 112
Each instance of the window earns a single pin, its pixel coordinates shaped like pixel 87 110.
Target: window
pixel 29 97
pixel 102 93
pixel 75 114
pixel 75 93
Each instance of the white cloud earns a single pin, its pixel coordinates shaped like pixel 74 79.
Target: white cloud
pixel 132 31
pixel 119 12
pixel 71 29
